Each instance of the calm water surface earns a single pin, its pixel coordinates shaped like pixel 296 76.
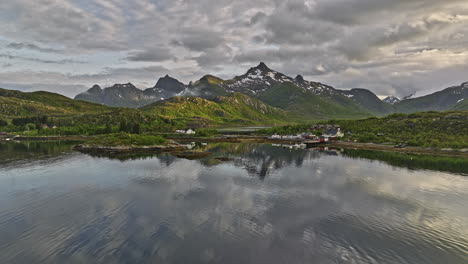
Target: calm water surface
pixel 261 204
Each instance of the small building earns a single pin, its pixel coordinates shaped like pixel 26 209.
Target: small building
pixel 190 131
pixel 44 126
pixel 186 131
pixel 333 133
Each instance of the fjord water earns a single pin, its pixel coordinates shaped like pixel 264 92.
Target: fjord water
pixel 257 204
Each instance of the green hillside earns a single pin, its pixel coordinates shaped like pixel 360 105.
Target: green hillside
pixel 444 100
pixel 428 129
pixel 16 104
pixel 233 109
pixel 461 106
pixel 303 103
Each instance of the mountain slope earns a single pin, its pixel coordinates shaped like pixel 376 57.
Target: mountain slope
pixel 462 105
pixel 233 109
pixel 439 101
pixel 15 103
pixel 368 101
pixel 308 100
pixel 311 100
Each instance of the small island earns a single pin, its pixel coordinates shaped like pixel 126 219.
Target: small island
pixel 125 142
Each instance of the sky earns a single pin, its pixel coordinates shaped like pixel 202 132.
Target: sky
pixel 391 47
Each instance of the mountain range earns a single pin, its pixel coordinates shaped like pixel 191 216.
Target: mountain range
pixel 261 95
pixel 300 97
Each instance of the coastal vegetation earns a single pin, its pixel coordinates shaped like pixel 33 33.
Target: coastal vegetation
pixel 428 129
pixel 45 114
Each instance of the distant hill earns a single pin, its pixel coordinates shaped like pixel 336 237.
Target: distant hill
pixel 235 108
pixel 444 100
pixel 15 103
pixel 127 95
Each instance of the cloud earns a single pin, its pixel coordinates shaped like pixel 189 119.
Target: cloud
pixel 150 55
pixel 45 61
pixel 199 39
pixel 30 46
pixel 388 46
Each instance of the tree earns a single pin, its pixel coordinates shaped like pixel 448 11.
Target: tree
pixel 108 129
pixel 30 126
pixel 3 123
pixel 123 126
pixel 136 128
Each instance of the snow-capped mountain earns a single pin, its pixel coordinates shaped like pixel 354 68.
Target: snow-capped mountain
pixel 391 100
pixel 296 94
pixel 261 78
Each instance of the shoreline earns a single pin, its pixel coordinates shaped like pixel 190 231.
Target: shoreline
pixel 242 139
pixel 408 150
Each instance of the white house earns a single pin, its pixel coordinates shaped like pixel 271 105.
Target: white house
pixel 190 131
pixel 333 133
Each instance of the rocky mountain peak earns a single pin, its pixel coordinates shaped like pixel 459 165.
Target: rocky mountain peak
pixel 166 81
pixel 95 89
pixel 299 78
pixel 262 66
pixel 123 85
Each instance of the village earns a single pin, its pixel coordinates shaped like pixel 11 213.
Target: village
pixel 315 134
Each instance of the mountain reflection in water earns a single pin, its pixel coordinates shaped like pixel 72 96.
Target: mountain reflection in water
pixel 246 203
